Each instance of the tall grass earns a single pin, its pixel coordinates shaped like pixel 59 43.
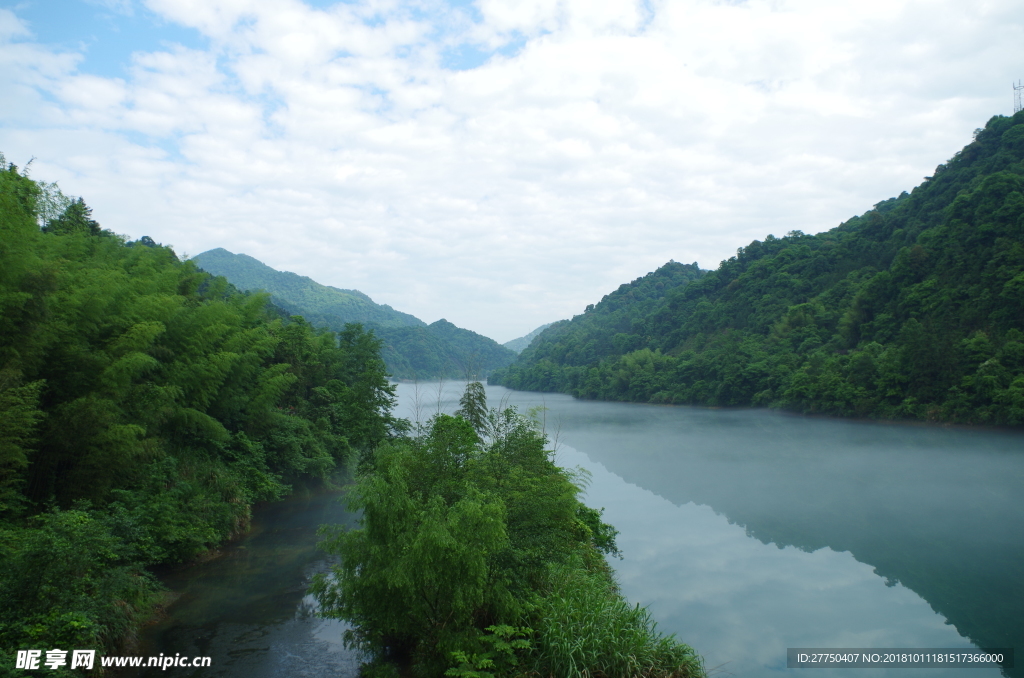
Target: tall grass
pixel 585 629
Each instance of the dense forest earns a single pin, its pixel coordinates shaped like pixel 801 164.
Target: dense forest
pixel 145 406
pixel 411 349
pixel 914 309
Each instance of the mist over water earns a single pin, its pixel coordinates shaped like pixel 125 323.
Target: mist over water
pixel 248 609
pixel 746 532
pixel 750 531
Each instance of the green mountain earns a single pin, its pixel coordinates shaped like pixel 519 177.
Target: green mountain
pixel 518 345
pixel 411 349
pixel 441 350
pixel 911 310
pixel 609 328
pixel 299 295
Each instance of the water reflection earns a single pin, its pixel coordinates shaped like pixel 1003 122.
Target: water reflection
pixel 746 532
pixel 749 532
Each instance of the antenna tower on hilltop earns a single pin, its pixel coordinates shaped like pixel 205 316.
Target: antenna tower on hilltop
pixel 1017 108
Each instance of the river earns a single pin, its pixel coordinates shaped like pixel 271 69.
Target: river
pixel 746 532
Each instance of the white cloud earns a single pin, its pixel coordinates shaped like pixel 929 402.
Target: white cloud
pixel 616 135
pixel 11 26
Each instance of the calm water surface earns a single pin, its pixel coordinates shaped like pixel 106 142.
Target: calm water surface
pixel 746 532
pixel 248 609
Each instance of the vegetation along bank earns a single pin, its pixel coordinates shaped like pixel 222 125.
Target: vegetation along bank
pixel 145 406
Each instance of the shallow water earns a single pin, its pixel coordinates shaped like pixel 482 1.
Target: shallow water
pixel 746 532
pixel 248 609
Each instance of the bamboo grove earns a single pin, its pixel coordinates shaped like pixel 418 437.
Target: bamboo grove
pixel 145 407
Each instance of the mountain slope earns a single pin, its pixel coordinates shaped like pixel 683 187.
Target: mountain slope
pixel 299 295
pixel 411 348
pixel 912 310
pixel 615 325
pixel 522 342
pixel 441 350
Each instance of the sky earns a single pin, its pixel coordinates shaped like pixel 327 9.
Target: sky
pixel 498 163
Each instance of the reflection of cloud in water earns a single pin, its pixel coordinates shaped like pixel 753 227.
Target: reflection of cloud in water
pixel 738 600
pixel 937 509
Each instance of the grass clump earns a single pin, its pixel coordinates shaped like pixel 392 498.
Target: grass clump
pixel 586 629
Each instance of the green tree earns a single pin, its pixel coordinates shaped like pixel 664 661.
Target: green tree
pixel 473 407
pixel 76 218
pixel 19 418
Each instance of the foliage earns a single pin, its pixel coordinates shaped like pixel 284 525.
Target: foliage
pixel 71 581
pixel 505 656
pixel 473 407
pixel 463 533
pixel 911 310
pixel 75 218
pixel 145 406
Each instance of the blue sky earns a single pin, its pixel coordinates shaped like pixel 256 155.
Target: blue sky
pixel 498 163
pixel 105 34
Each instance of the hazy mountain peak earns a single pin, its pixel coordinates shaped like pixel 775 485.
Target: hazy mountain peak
pixel 519 344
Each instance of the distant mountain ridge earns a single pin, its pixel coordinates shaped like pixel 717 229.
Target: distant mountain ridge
pixel 300 295
pixel 522 342
pixel 411 348
pixel 441 350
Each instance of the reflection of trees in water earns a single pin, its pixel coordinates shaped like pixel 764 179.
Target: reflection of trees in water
pixel 307 607
pixel 249 608
pixel 948 527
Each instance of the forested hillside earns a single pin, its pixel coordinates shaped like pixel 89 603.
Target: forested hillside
pixel 608 328
pixel 411 349
pixel 320 304
pixel 145 406
pixel 440 350
pixel 914 309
